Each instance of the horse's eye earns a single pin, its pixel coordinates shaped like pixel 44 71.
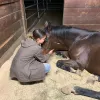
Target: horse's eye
pixel 57 42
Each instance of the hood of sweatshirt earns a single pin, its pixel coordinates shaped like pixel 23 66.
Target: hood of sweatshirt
pixel 28 42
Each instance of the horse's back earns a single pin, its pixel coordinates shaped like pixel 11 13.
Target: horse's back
pixel 86 51
pixel 82 31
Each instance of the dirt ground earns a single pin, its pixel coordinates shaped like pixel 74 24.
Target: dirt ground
pixel 50 88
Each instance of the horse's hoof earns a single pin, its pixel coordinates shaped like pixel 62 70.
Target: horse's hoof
pixel 59 63
pixel 58 53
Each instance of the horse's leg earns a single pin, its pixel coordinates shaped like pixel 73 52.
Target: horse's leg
pixel 64 54
pixel 58 53
pixel 68 65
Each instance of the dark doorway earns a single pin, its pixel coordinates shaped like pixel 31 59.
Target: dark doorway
pixel 39 11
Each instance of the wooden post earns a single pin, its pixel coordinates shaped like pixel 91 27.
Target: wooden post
pixel 23 18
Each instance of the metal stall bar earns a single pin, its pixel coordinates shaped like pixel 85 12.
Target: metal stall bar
pixel 30 6
pixel 36 15
pixel 46 4
pixel 38 9
pixel 31 16
pixel 41 9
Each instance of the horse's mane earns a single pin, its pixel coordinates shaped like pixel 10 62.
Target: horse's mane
pixel 60 31
pixel 64 31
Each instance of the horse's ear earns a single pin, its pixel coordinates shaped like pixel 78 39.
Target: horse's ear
pixel 47 24
pixel 47 27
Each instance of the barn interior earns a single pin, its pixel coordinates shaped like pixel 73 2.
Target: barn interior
pixel 36 13
pixel 39 11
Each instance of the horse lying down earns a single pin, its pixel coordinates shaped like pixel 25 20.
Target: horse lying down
pixel 82 46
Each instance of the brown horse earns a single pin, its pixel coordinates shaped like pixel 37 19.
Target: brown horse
pixel 83 48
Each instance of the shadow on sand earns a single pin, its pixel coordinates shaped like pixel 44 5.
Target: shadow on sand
pixel 28 83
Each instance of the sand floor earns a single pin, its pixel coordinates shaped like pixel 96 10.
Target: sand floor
pixel 50 89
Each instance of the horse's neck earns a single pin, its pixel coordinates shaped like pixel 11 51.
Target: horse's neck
pixel 80 31
pixel 70 39
pixel 74 35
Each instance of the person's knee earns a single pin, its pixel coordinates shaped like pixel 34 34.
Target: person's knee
pixel 47 67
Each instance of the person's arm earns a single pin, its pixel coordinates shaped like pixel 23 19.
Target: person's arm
pixel 41 57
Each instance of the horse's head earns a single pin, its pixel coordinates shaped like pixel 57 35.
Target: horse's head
pixel 59 38
pixel 53 42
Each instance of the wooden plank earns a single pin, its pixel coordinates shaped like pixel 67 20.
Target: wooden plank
pixel 11 24
pixel 10 31
pixel 2 2
pixel 11 41
pixel 81 3
pixel 10 51
pixel 84 26
pixel 81 20
pixel 82 12
pixel 7 21
pixel 9 8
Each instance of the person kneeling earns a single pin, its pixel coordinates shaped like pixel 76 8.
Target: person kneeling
pixel 29 64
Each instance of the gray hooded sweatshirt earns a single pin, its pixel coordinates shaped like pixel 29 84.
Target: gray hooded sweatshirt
pixel 27 65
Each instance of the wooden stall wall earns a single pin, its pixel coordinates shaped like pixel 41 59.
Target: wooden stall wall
pixel 11 24
pixel 82 13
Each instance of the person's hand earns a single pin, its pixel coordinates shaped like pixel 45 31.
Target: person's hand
pixel 51 51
